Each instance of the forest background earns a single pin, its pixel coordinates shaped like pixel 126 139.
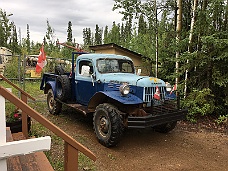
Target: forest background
pixel 151 29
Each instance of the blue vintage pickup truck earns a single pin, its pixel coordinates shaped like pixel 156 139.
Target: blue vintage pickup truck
pixel 107 87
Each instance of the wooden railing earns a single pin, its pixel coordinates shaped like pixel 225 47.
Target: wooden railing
pixel 71 146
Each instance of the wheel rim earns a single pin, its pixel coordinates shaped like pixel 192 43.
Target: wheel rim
pixel 103 126
pixel 51 102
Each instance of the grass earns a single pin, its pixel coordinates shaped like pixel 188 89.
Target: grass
pixel 56 154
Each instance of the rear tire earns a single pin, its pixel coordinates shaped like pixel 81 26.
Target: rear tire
pixel 107 125
pixel 54 106
pixel 165 128
pixel 63 88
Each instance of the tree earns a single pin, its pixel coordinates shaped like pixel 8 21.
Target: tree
pixel 178 38
pixel 50 34
pixel 190 41
pixel 142 26
pixel 69 32
pixel 106 40
pixel 14 43
pixel 98 35
pixel 5 28
pixel 87 37
pixel 50 41
pixel 114 33
pixel 28 40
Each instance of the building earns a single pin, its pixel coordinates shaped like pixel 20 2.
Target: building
pixel 5 57
pixel 112 48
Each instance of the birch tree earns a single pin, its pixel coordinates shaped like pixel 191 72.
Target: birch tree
pixel 178 38
pixel 190 40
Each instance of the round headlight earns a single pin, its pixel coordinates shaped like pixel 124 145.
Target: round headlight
pixel 124 89
pixel 168 87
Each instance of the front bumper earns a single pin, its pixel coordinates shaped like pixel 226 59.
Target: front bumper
pixel 152 120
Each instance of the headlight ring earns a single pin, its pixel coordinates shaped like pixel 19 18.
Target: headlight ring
pixel 124 89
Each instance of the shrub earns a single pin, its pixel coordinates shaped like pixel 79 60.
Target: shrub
pixel 11 70
pixel 199 103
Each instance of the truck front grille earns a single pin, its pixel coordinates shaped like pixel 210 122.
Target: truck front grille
pixel 149 93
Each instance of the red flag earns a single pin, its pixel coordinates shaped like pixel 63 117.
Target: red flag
pixel 157 94
pixel 41 60
pixel 174 89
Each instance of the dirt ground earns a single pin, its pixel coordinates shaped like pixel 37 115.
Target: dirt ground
pixel 186 148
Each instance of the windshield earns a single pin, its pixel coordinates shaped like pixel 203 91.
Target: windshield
pixel 115 65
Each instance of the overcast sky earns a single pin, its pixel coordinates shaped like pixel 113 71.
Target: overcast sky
pixel 82 14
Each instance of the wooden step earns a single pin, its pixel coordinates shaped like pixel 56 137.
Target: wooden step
pixel 13 163
pixel 29 162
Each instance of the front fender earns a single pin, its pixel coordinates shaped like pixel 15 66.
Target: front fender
pixel 99 98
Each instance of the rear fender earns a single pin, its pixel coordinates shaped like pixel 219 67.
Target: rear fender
pixel 101 97
pixel 50 85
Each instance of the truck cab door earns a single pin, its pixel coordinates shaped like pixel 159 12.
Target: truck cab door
pixel 85 87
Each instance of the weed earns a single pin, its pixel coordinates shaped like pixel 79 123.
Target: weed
pixel 111 157
pixel 222 119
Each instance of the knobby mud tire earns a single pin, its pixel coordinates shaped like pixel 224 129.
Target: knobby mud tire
pixel 54 106
pixel 63 92
pixel 107 125
pixel 59 70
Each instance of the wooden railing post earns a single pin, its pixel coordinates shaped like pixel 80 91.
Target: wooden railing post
pixel 24 117
pixel 70 158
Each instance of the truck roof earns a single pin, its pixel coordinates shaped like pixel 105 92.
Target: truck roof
pixel 96 56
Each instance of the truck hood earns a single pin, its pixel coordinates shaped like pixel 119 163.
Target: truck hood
pixel 131 79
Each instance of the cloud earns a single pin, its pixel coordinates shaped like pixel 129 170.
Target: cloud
pixel 82 14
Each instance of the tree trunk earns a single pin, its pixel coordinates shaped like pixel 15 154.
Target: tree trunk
pixel 156 38
pixel 190 41
pixel 178 37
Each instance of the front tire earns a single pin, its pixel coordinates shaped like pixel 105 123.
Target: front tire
pixel 107 125
pixel 54 106
pixel 165 128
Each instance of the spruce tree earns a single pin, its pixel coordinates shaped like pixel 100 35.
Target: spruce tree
pixel 28 40
pixel 69 32
pixel 106 39
pixel 98 35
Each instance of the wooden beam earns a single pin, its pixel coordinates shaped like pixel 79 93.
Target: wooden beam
pixel 15 148
pixel 24 117
pixel 70 158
